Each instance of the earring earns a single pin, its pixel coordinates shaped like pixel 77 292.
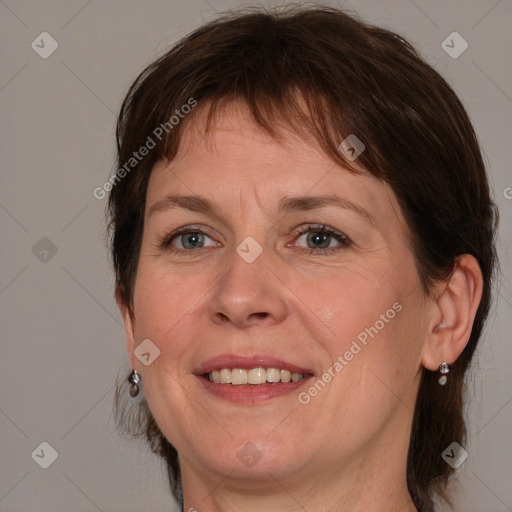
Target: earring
pixel 134 379
pixel 444 369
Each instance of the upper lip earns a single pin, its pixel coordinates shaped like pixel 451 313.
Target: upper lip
pixel 247 363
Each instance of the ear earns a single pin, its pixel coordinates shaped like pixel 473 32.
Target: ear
pixel 129 324
pixel 455 305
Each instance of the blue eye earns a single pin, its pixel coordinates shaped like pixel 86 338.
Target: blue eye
pixel 318 239
pixel 187 239
pixel 191 240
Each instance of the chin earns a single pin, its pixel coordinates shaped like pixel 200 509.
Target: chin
pixel 252 458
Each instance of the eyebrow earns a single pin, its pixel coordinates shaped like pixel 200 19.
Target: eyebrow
pixel 306 203
pixel 286 205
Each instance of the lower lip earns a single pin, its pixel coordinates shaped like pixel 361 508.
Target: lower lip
pixel 251 394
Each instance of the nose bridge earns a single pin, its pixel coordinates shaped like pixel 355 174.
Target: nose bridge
pixel 248 292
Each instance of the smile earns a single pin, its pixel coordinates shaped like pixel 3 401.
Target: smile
pixel 245 380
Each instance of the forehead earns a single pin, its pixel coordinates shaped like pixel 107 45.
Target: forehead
pixel 237 163
pixel 233 135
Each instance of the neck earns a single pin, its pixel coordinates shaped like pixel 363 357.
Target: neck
pixel 282 496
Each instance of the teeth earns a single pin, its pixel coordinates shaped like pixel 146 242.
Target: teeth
pixel 273 375
pixel 256 376
pixel 286 375
pixel 225 376
pixel 238 376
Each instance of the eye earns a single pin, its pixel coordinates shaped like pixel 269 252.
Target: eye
pixel 186 238
pixel 319 239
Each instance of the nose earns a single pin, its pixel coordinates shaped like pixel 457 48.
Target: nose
pixel 248 294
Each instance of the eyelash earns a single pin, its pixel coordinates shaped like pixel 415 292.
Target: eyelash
pixel 343 240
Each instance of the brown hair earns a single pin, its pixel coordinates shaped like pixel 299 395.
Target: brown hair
pixel 352 78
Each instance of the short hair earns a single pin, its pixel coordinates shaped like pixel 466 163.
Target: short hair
pixel 326 75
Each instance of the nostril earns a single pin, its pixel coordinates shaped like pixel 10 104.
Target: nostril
pixel 242 320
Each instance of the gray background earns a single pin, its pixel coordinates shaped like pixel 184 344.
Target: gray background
pixel 62 340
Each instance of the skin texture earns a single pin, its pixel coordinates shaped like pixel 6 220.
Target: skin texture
pixel 346 448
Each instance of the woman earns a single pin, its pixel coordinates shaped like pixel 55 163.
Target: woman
pixel 303 242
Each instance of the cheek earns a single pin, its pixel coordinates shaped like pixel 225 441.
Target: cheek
pixel 376 321
pixel 353 301
pixel 163 303
pixel 374 359
pixel 382 350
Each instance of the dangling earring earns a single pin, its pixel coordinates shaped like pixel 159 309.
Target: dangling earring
pixel 444 369
pixel 134 379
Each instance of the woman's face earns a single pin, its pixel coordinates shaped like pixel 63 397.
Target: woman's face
pixel 288 262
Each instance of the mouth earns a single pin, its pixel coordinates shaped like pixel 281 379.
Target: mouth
pixel 248 380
